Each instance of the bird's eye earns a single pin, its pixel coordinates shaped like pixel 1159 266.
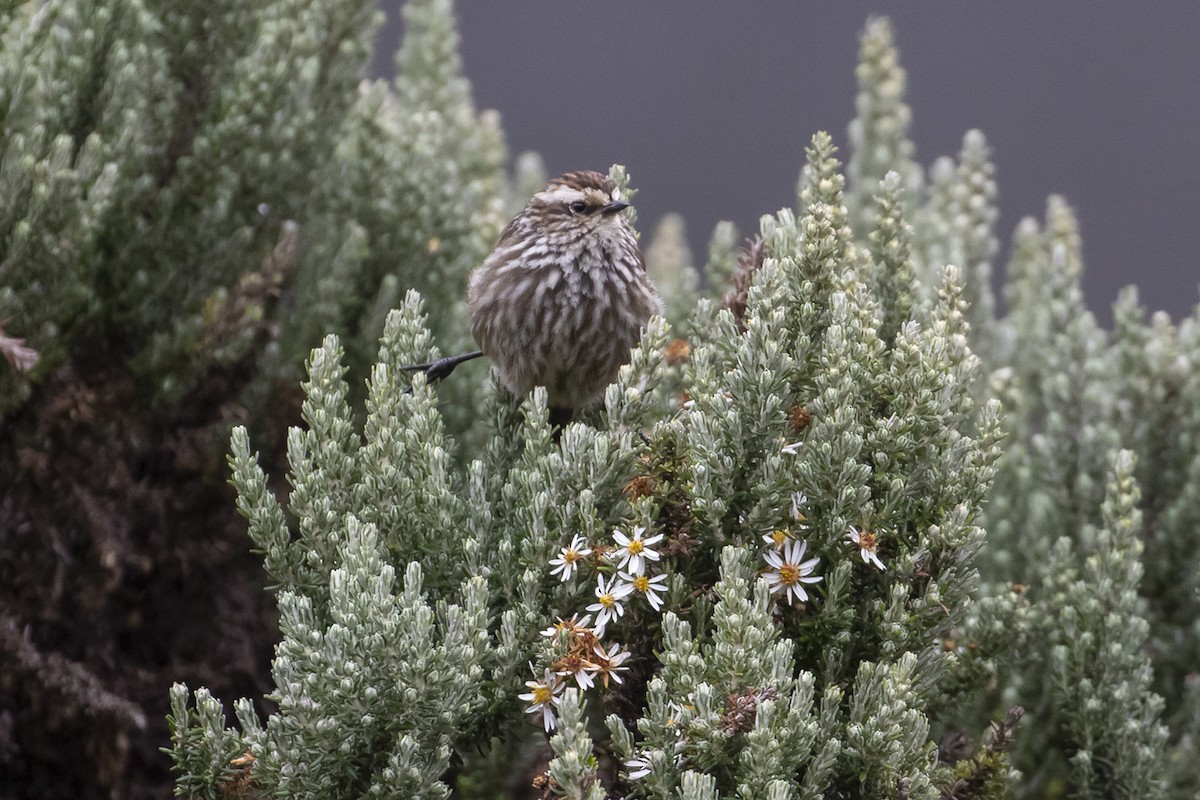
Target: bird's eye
pixel 578 207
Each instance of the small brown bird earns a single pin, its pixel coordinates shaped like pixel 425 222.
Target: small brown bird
pixel 562 299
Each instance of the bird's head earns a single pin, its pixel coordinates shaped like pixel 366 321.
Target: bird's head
pixel 584 200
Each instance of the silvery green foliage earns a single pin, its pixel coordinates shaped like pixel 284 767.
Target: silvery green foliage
pixel 891 243
pixel 1159 417
pixel 878 134
pixel 1061 402
pixel 376 676
pixel 156 153
pixel 670 265
pixel 934 221
pixel 957 226
pixel 1077 395
pixel 573 769
pixel 850 398
pixel 722 258
pixel 688 727
pixel 732 691
pixel 1073 395
pixel 1102 709
pixel 529 178
pixel 975 216
pixel 421 172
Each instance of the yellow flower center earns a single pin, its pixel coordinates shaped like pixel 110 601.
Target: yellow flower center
pixel 789 574
pixel 780 536
pixel 635 547
pixel 542 694
pixel 867 541
pixel 571 556
pixel 642 583
pixel 607 600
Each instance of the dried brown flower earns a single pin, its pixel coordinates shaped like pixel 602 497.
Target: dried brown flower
pixel 749 260
pixel 641 486
pixel 680 544
pixel 742 708
pixel 678 351
pixel 241 783
pixel 799 418
pixel 972 776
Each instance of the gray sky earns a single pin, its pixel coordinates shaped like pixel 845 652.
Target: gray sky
pixel 710 106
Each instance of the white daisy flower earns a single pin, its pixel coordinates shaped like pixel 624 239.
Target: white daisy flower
pixel 778 537
pixel 575 626
pixel 609 595
pixel 789 572
pixel 867 543
pixel 570 555
pixel 583 672
pixel 798 501
pixel 638 766
pixel 635 552
pixel 651 587
pixel 543 697
pixel 609 662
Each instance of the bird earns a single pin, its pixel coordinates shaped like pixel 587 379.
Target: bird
pixel 563 297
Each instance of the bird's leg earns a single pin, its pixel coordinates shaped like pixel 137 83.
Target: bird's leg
pixel 559 417
pixel 442 367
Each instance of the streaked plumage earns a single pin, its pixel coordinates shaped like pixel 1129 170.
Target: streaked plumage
pixel 563 297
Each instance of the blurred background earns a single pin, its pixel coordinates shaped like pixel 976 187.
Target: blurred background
pixel 710 107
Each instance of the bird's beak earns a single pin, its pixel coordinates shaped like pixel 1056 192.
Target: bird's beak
pixel 614 207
